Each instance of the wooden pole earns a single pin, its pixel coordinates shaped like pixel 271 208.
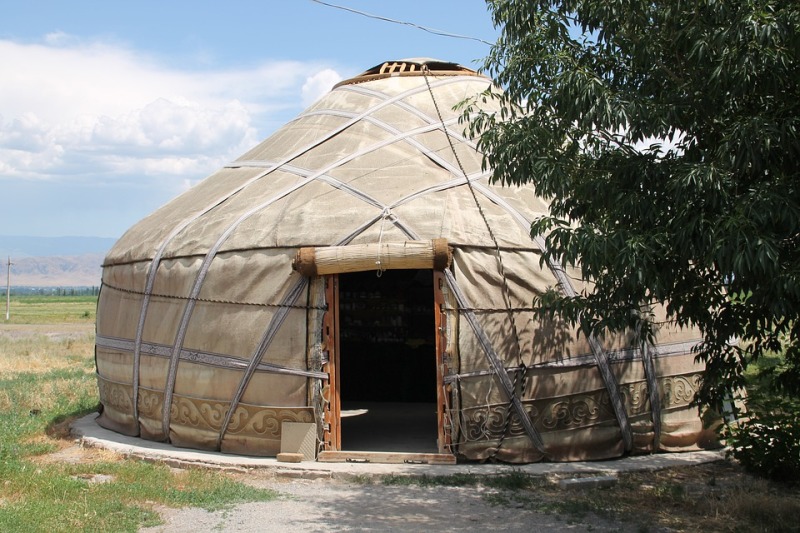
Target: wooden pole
pixel 8 288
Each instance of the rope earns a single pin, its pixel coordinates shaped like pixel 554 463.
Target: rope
pixel 385 215
pixel 501 269
pixel 652 386
pixel 213 300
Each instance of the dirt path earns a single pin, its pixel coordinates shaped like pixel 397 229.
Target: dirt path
pixel 328 505
pixel 53 331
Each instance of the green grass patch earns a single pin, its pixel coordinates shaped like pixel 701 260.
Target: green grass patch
pixel 63 498
pixel 38 309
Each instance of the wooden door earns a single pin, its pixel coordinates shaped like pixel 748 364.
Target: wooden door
pixel 332 445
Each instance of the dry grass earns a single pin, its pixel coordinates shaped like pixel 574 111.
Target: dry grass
pixel 714 497
pixel 37 355
pixel 68 452
pixel 42 353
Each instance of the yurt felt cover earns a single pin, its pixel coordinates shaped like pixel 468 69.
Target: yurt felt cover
pixel 207 338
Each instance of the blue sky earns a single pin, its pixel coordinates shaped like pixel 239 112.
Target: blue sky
pixel 110 109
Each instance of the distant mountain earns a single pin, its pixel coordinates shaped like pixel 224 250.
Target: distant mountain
pixel 20 246
pixel 73 271
pixel 54 261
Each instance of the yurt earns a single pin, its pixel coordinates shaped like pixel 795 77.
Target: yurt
pixel 354 288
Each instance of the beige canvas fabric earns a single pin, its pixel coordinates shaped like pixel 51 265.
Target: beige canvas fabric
pixel 209 339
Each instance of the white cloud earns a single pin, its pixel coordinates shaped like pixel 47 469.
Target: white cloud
pixel 168 127
pixel 71 108
pixel 26 132
pixel 319 85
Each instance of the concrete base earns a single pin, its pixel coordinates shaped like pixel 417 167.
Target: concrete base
pixel 91 434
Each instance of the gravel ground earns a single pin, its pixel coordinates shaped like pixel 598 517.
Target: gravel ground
pixel 329 505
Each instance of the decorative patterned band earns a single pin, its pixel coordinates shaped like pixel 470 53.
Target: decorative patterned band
pixel 579 411
pixel 205 415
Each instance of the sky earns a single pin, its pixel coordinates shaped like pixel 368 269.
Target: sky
pixel 110 109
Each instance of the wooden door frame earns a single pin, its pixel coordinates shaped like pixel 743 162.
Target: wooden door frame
pixel 332 434
pixel 444 438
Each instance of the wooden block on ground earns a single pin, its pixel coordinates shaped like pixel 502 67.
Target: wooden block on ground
pixel 299 437
pixel 290 457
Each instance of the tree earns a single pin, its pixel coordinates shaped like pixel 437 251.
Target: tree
pixel 665 134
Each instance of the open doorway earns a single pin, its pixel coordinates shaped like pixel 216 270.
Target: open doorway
pixel 387 362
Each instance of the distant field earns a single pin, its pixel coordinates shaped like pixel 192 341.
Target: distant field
pixel 35 309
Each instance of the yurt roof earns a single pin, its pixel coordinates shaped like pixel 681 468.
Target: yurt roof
pixel 369 161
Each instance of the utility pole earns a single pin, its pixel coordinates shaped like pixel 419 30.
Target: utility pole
pixel 8 288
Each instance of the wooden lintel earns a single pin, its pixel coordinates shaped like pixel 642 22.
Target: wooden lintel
pixel 434 254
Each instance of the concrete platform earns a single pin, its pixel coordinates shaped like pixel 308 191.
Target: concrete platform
pixel 92 435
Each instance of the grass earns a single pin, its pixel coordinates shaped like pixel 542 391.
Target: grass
pixel 63 498
pixel 32 354
pixel 35 309
pixel 46 382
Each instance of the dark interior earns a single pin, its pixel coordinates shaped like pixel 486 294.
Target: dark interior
pixel 387 361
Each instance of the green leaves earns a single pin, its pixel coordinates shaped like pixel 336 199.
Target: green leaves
pixel 666 137
pixel 768 443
